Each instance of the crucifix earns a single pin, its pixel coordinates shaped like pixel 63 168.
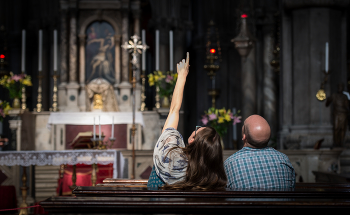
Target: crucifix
pixel 135 47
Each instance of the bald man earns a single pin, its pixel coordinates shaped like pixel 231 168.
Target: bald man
pixel 256 165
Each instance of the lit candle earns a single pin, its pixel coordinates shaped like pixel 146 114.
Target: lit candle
pixel 55 50
pixel 94 129
pixel 112 127
pixel 144 51
pixel 40 49
pixel 23 50
pixel 157 50
pixel 171 50
pixel 99 126
pixel 326 58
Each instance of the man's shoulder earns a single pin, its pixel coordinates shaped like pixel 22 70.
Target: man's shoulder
pixel 247 152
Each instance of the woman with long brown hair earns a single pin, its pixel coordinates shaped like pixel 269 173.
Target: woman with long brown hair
pixel 199 165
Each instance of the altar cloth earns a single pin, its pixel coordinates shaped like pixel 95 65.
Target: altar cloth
pixel 71 157
pixel 87 118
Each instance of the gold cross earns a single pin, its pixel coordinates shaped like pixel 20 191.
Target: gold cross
pixel 135 47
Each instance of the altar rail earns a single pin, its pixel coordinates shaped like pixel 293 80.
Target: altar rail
pixel 305 198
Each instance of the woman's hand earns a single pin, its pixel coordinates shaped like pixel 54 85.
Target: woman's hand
pixel 173 116
pixel 183 66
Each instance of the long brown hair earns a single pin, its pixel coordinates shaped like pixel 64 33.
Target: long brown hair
pixel 205 168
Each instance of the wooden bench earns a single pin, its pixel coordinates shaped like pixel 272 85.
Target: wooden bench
pixel 305 198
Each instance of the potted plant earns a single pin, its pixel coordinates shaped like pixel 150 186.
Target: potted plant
pixel 14 84
pixel 220 119
pixel 165 83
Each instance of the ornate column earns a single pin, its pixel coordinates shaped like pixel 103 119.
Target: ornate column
pixel 117 62
pixel 73 86
pixel 62 95
pixel 244 45
pixel 125 86
pixel 82 96
pixel 269 88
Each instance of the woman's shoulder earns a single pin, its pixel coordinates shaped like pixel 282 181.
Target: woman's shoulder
pixel 172 131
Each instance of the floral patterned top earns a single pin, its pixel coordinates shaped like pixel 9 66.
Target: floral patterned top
pixel 170 163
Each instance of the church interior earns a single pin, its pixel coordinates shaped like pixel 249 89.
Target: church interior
pixel 86 86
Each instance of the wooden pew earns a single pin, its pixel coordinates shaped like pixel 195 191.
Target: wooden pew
pixel 305 198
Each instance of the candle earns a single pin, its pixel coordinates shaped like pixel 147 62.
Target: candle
pixel 99 126
pixel 23 50
pixel 40 49
pixel 171 50
pixel 55 50
pixel 112 127
pixel 94 129
pixel 157 50
pixel 326 58
pixel 144 51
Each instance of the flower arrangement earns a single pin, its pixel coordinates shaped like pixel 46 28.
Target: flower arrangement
pixel 220 119
pixel 4 108
pixel 166 83
pixel 14 84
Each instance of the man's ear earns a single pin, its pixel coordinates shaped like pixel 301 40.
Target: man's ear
pixel 243 137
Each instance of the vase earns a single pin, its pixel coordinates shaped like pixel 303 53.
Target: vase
pixel 222 143
pixel 165 102
pixel 16 103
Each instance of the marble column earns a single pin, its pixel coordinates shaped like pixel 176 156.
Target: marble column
pixel 73 86
pixel 306 27
pixel 269 88
pixel 125 86
pixel 82 96
pixel 248 85
pixel 62 95
pixel 286 94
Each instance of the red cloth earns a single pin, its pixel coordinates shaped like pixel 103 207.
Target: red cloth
pixel 83 173
pixel 8 198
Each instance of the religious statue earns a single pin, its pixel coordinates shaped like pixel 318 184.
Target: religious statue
pixel 100 95
pixel 340 114
pixel 98 102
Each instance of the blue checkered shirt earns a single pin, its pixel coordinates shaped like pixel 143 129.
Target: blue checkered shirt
pixel 259 168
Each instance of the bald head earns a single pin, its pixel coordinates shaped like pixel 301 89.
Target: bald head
pixel 256 131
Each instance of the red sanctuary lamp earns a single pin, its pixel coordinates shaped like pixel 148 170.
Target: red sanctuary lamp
pixel 213 51
pixel 3 64
pixel 244 15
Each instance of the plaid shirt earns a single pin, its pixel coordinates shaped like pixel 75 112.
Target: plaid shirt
pixel 259 168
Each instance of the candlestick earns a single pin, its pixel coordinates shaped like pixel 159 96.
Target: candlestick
pixel 94 129
pixel 171 50
pixel 143 51
pixel 157 50
pixel 55 50
pixel 326 58
pixel 99 127
pixel 23 50
pixel 40 49
pixel 112 135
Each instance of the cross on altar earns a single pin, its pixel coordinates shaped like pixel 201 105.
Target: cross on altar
pixel 135 47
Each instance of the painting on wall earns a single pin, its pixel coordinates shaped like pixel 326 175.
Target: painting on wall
pixel 100 52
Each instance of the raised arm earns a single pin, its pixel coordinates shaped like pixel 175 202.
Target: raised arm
pixel 182 70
